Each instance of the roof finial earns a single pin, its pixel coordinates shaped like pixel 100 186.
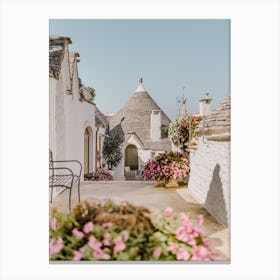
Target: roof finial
pixel 141 80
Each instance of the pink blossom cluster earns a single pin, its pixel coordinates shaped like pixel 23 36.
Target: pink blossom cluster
pixel 97 246
pixel 56 245
pixel 165 166
pixel 97 251
pixel 101 174
pixel 183 239
pixel 187 232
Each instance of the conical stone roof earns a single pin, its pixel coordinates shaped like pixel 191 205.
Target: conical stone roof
pixel 135 118
pixel 218 120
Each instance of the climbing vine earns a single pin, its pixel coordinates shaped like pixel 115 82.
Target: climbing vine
pixel 179 130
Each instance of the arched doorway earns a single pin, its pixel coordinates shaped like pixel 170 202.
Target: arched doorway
pixel 131 157
pixel 88 150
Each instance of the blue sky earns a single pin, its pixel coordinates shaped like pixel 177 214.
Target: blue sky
pixel 168 54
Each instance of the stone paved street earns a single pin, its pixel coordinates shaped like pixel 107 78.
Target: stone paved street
pixel 152 197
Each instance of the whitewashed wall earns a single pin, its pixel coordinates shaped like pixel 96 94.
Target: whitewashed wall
pixel 209 181
pixel 79 115
pixel 69 117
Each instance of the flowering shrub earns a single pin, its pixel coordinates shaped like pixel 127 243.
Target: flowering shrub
pixel 166 166
pixel 106 231
pixel 179 131
pixel 100 175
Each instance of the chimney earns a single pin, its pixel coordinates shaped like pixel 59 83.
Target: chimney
pixel 204 105
pixel 155 125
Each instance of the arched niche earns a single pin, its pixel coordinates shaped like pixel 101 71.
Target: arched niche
pixel 131 157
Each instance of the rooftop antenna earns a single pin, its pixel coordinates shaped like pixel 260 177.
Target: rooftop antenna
pixel 178 101
pixel 184 102
pixel 181 103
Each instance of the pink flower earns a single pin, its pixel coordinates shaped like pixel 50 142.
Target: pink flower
pixel 197 231
pixel 119 245
pixel 192 242
pixel 53 223
pixel 77 255
pixel 157 252
pixel 124 202
pixel 93 243
pixel 78 234
pixel 106 239
pixel 172 247
pixel 98 253
pixel 199 219
pixel 186 222
pixel 184 218
pixel 201 253
pixel 107 224
pixel 181 234
pixel 168 212
pixel 182 254
pixel 88 227
pixel 56 246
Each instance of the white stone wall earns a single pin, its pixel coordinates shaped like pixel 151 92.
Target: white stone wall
pixel 209 181
pixel 79 115
pixel 52 116
pixel 69 117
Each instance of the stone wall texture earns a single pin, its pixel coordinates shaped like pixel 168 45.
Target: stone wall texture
pixel 209 181
pixel 218 120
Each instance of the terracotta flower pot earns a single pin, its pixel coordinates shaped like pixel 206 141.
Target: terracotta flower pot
pixel 172 183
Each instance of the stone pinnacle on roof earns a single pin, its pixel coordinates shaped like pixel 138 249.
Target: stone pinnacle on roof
pixel 206 99
pixel 140 87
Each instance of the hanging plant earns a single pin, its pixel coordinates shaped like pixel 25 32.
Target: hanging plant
pixel 181 129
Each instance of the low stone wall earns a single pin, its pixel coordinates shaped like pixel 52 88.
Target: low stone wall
pixel 209 181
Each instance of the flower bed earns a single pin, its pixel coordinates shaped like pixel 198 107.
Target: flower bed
pixel 167 166
pixel 100 175
pixel 106 231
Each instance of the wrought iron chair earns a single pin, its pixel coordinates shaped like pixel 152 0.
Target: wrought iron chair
pixel 61 175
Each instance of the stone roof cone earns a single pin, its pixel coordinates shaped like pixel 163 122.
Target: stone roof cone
pixel 218 120
pixel 135 118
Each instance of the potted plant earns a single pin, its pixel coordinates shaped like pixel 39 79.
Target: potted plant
pixel 167 168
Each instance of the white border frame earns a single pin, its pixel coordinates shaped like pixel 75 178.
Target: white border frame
pixel 255 137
